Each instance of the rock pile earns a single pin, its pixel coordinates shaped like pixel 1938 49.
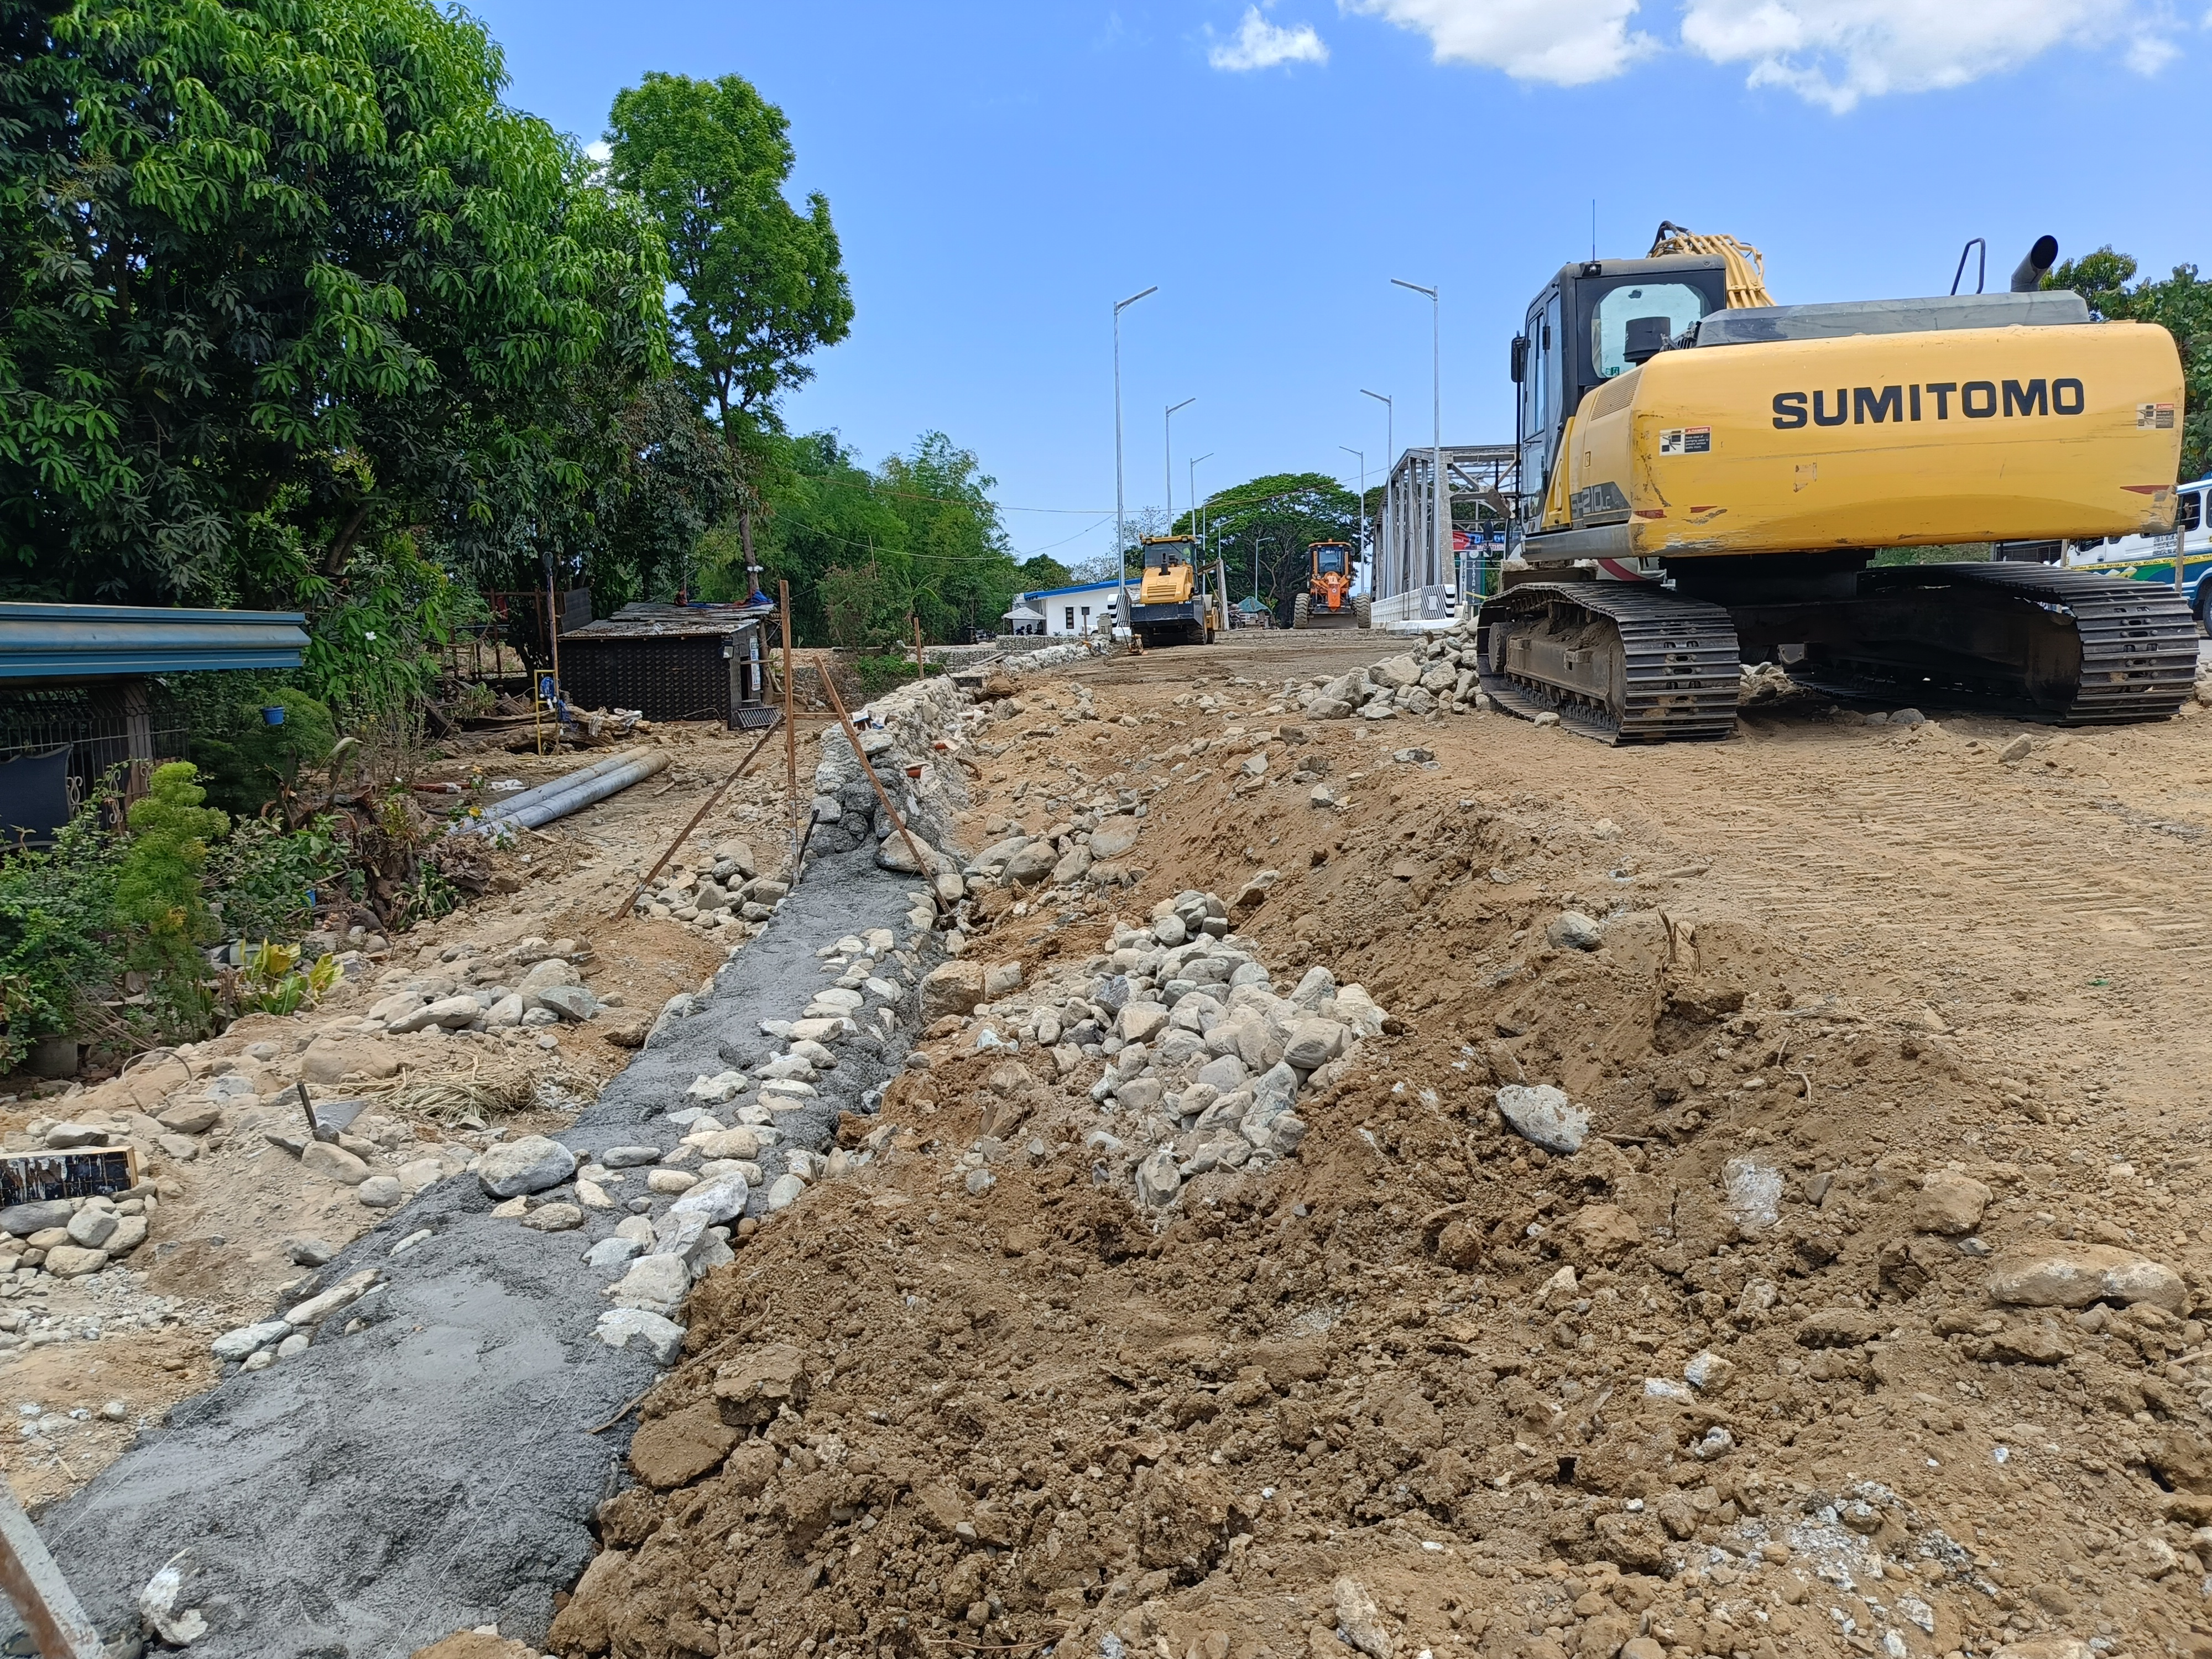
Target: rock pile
pixel 908 735
pixel 1439 678
pixel 1205 1062
pixel 728 892
pixel 752 1141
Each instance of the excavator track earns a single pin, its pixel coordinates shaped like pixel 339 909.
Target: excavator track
pixel 1619 662
pixel 2093 649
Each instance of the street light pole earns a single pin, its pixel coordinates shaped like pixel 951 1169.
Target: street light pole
pixel 1195 531
pixel 1121 521
pixel 1390 462
pixel 1362 454
pixel 1167 454
pixel 1437 391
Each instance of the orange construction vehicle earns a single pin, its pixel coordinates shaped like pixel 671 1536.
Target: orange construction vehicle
pixel 1328 600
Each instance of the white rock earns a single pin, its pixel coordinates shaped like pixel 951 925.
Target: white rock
pixel 233 1345
pixel 784 1192
pixel 721 1199
pixel 612 1252
pixel 571 1002
pixel 1544 1114
pixel 1312 1043
pixel 722 1086
pixel 529 1164
pixel 1752 1193
pixel 92 1228
pixel 1158 1179
pixel 658 1283
pixel 1707 1371
pixel 381 1192
pixel 343 1294
pixel 644 1330
pixel 1571 930
pixel 447 1012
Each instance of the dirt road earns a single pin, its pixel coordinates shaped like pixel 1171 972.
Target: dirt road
pixel 1748 1373
pixel 1863 1315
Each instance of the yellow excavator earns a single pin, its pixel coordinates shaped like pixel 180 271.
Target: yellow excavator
pixel 1172 605
pixel 1707 477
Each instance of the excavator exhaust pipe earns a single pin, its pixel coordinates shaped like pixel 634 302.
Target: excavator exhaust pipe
pixel 2028 275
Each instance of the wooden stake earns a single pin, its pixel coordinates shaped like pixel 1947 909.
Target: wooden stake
pixel 50 1609
pixel 920 671
pixel 697 818
pixel 927 866
pixel 790 732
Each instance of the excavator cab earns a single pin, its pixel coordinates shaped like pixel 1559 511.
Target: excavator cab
pixel 1594 321
pixel 1328 600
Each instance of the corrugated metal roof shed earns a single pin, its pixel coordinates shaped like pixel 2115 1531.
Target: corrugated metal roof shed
pixel 94 642
pixel 645 620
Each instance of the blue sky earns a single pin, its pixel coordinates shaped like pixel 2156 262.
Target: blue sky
pixel 1001 172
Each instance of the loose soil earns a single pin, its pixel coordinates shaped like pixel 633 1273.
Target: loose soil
pixel 1421 1388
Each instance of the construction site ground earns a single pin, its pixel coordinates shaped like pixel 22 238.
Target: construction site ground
pixel 1869 1019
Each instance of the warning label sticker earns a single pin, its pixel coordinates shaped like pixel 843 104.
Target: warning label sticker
pixel 2158 415
pixel 1686 441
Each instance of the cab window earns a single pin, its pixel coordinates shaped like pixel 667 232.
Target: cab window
pixel 1678 302
pixel 1331 561
pixel 2192 510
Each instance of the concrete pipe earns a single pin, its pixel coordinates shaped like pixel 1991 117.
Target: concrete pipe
pixel 529 798
pixel 575 792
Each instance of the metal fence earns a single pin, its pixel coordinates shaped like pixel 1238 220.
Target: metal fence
pixel 103 726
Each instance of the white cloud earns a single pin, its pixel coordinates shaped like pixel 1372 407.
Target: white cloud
pixel 599 150
pixel 1259 44
pixel 1567 43
pixel 1835 53
pixel 1830 53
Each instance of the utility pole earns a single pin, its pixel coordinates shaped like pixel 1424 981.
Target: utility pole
pixel 1389 465
pixel 1121 521
pixel 1439 550
pixel 1362 454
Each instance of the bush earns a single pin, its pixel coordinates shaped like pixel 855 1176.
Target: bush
pixel 263 884
pixel 56 910
pixel 159 907
pixel 248 762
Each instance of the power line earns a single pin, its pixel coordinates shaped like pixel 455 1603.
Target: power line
pixel 872 549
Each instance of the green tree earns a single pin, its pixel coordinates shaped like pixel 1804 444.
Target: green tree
pixel 2182 305
pixel 762 284
pixel 1263 525
pixel 919 535
pixel 279 276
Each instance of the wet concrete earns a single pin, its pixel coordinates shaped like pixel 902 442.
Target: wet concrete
pixel 434 1471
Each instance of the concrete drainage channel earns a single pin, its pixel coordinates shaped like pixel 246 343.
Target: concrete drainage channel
pixel 425 1464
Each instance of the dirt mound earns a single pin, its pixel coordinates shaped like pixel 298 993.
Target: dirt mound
pixel 1730 1377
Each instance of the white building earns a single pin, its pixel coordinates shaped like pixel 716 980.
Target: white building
pixel 1074 610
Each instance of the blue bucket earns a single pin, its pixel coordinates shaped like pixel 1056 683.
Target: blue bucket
pixel 273 714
